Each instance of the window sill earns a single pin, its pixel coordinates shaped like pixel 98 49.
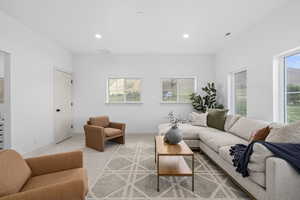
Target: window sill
pixel 162 102
pixel 123 102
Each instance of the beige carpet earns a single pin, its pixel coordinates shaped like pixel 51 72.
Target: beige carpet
pixel 125 172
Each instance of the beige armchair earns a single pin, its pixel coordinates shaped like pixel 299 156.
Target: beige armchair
pixel 51 177
pixel 99 129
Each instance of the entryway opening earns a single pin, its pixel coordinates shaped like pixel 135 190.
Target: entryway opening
pixel 62 105
pixel 5 115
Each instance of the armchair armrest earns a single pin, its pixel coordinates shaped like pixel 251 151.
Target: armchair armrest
pixel 117 125
pixel 96 132
pixel 56 162
pixel 282 180
pixel 69 190
pixel 94 137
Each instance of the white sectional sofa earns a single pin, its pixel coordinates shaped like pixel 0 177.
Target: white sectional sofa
pixel 270 178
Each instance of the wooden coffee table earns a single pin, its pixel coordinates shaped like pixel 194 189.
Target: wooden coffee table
pixel 170 161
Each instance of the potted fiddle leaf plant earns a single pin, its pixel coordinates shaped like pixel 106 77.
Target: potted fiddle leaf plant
pixel 208 101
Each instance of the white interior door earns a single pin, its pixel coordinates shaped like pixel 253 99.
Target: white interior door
pixel 62 105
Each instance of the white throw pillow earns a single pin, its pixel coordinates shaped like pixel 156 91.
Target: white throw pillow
pixel 198 119
pixel 287 134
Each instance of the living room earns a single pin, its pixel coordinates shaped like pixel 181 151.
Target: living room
pixel 66 65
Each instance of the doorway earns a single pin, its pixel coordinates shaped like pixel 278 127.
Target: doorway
pixel 5 134
pixel 62 105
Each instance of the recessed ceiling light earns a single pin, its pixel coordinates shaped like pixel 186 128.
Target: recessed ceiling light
pixel 185 36
pixel 227 34
pixel 98 36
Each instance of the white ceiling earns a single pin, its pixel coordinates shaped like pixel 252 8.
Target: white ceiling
pixel 140 26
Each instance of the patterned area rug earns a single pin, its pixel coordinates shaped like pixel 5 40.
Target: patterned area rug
pixel 130 174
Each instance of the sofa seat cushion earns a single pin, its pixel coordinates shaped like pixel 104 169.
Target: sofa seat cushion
pixel 244 127
pixel 189 132
pixel 257 162
pixel 192 143
pixel 109 132
pixel 14 172
pixel 259 158
pixel 257 177
pixel 56 178
pixel 216 139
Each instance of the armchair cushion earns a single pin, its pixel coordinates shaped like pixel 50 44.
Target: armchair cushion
pixel 56 178
pixel 68 190
pixel 14 172
pixel 55 162
pixel 112 132
pixel 102 121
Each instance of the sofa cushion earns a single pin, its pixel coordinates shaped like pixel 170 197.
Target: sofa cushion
pixel 245 126
pixel 102 121
pixel 257 162
pixel 257 177
pixel 198 119
pixel 192 143
pixel 258 158
pixel 56 178
pixel 225 154
pixel 189 132
pixel 14 172
pixel 216 139
pixel 230 121
pixel 216 118
pixel 112 132
pixel 286 134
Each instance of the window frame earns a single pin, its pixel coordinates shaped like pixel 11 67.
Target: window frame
pixel 231 90
pixel 125 101
pixel 177 98
pixel 280 86
pixel 285 84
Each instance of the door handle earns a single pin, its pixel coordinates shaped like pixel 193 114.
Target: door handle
pixel 57 110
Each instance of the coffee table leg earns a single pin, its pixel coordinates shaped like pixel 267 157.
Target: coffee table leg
pixel 157 162
pixel 155 150
pixel 193 179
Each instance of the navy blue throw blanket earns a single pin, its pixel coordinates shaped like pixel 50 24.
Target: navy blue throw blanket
pixel 241 154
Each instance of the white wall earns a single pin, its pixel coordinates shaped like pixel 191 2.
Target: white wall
pixel 33 59
pixel 2 65
pixel 90 74
pixel 278 32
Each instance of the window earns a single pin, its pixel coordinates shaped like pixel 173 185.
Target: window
pixel 239 92
pixel 292 88
pixel 177 90
pixel 124 90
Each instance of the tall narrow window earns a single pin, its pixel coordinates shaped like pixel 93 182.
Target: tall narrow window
pixel 177 90
pixel 239 93
pixel 123 90
pixel 292 88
